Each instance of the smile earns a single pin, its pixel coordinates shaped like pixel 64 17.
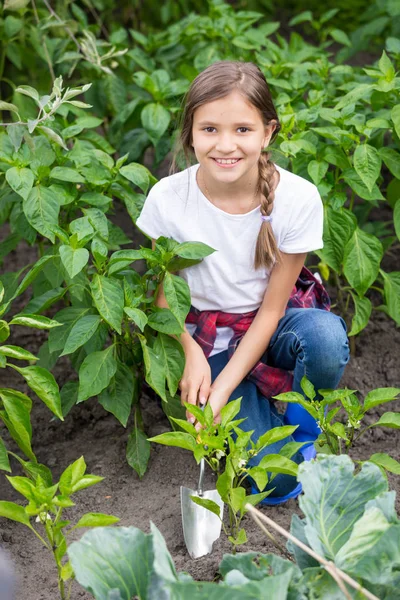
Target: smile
pixel 226 162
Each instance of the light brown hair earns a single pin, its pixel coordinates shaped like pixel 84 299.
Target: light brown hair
pixel 217 81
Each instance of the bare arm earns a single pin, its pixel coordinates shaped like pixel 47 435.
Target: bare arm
pixel 256 339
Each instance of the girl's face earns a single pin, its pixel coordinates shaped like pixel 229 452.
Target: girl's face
pixel 228 135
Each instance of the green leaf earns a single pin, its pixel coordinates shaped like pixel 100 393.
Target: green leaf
pixel 329 483
pixel 341 37
pixel 396 218
pixel 317 170
pixel 361 91
pixel 66 174
pixel 362 256
pixel 353 179
pixel 41 208
pixel 16 418
pixel 73 259
pixel 155 375
pixel 177 294
pixel 339 226
pixel 8 106
pixel 96 520
pixel 4 462
pixel 120 394
pixel 137 174
pixel 372 551
pixel 387 462
pixel 122 558
pixel 68 317
pixel 20 180
pixel 14 512
pixel 363 309
pixel 389 419
pixel 137 316
pixel 4 331
pixel 98 220
pixel 207 504
pixel 395 115
pixel 276 463
pixel 138 451
pixel 241 538
pixel 175 438
pixel 172 359
pixel 391 158
pixel 155 120
pixel 17 352
pixel 367 164
pixel 81 332
pixel 275 435
pixel 35 321
pixel 307 388
pixel 193 250
pixel 229 411
pixel 82 228
pixel 380 396
pixel 44 385
pixel 69 396
pixel 109 300
pixel 96 372
pixel 163 320
pixel 391 287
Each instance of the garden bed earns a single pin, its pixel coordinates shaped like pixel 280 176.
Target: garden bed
pixel 92 432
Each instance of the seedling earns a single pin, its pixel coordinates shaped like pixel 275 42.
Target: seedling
pixel 227 449
pixel 343 425
pixel 44 511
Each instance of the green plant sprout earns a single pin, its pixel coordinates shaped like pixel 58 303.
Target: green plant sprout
pixel 339 436
pixel 229 443
pixel 46 504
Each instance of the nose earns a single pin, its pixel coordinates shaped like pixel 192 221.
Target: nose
pixel 225 143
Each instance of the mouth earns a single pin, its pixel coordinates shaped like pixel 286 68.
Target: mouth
pixel 226 162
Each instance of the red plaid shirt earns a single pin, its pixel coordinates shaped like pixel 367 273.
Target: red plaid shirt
pixel 308 292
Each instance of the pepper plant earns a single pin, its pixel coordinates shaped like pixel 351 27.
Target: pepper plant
pixel 341 417
pixel 229 443
pixel 46 505
pixel 61 196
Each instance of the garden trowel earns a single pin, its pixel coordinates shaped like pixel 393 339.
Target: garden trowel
pixel 201 527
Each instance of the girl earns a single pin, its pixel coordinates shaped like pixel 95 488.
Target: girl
pixel 261 220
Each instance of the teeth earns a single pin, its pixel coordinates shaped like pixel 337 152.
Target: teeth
pixel 229 161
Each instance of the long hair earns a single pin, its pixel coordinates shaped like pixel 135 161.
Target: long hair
pixel 217 81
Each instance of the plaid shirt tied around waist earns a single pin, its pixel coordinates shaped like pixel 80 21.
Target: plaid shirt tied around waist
pixel 308 292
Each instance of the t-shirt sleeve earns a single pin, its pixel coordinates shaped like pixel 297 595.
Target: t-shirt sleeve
pixel 306 227
pixel 151 220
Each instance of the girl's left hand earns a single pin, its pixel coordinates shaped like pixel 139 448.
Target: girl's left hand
pixel 217 400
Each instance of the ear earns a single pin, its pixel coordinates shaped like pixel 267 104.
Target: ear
pixel 269 130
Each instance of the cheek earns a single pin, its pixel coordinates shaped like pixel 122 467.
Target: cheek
pixel 200 144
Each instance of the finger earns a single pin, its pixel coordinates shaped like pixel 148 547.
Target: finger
pixel 191 399
pixel 204 391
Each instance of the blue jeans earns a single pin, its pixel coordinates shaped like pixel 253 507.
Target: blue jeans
pixel 307 341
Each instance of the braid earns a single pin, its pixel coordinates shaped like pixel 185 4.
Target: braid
pixel 267 251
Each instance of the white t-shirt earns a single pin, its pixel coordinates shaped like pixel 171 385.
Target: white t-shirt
pixel 226 280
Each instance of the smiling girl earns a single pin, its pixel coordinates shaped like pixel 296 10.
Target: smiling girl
pixel 259 319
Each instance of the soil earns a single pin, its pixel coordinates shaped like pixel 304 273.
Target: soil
pixel 92 432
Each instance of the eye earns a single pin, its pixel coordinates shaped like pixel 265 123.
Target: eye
pixel 206 128
pixel 246 128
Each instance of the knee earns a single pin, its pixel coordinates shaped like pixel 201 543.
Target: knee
pixel 325 340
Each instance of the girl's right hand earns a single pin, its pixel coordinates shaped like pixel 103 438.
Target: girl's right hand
pixel 196 379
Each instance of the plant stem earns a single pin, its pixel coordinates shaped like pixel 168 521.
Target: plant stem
pixel 40 537
pixel 330 567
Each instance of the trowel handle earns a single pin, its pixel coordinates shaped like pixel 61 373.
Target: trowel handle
pixel 201 478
